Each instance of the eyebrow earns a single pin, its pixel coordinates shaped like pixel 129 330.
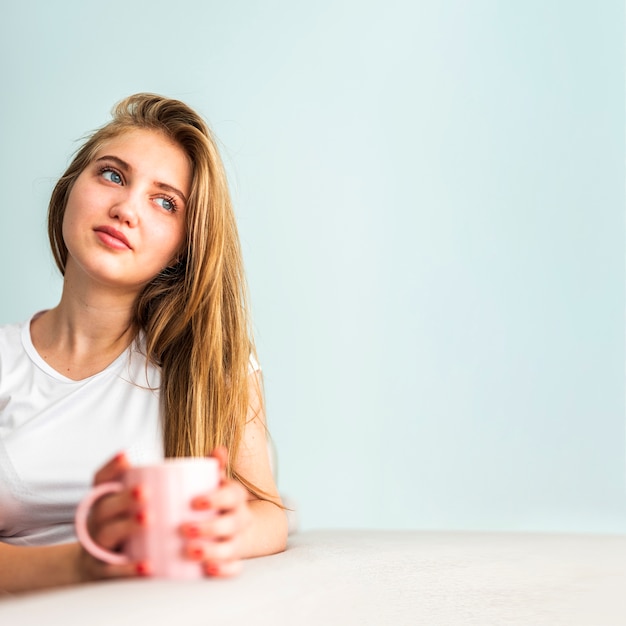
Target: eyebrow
pixel 127 167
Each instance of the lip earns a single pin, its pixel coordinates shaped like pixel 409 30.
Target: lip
pixel 112 237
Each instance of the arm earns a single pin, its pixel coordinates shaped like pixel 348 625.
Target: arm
pixel 244 525
pixel 267 533
pixel 24 568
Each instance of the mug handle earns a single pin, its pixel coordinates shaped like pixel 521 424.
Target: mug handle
pixel 82 532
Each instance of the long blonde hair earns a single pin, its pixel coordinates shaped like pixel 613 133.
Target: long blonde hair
pixel 194 314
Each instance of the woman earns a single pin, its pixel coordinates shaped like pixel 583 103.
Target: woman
pixel 148 354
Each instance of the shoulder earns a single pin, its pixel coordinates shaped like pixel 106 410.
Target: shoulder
pixel 253 364
pixel 11 337
pixel 140 370
pixel 15 341
pixel 13 354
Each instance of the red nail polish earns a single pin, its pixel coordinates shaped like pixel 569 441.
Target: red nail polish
pixel 141 517
pixel 143 569
pixel 195 553
pixel 211 569
pixel 137 493
pixel 202 502
pixel 192 531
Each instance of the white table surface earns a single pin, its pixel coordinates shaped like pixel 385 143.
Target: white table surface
pixel 382 578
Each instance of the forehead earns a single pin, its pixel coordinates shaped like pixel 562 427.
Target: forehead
pixel 150 153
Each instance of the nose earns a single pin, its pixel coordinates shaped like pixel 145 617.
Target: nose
pixel 126 209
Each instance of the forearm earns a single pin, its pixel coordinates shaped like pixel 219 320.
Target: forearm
pixel 24 568
pixel 267 532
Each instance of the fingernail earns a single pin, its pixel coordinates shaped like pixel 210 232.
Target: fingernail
pixel 137 493
pixel 195 552
pixel 119 456
pixel 143 569
pixel 201 502
pixel 191 530
pixel 141 517
pixel 211 569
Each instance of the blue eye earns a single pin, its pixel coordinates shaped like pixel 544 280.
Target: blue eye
pixel 167 203
pixel 111 176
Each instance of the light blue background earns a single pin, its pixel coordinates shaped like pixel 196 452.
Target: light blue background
pixel 431 204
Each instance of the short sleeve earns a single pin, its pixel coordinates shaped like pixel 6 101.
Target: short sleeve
pixel 253 364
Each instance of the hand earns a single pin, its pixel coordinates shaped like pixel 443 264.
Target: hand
pixel 112 520
pixel 217 542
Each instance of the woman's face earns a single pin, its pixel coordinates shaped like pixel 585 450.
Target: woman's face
pixel 125 217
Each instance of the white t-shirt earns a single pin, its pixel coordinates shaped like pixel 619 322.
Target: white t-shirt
pixel 56 432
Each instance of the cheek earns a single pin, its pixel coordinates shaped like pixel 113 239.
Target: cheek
pixel 68 224
pixel 171 242
pixel 85 197
pixel 75 218
pixel 175 238
pixel 69 216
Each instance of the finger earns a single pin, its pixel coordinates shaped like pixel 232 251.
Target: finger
pixel 214 551
pixel 112 506
pixel 93 568
pixel 116 532
pixel 226 526
pixel 226 569
pixel 219 527
pixel 113 469
pixel 229 495
pixel 127 570
pixel 221 454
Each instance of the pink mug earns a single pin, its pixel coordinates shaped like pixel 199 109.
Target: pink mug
pixel 168 489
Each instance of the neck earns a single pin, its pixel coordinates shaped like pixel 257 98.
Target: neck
pixel 86 331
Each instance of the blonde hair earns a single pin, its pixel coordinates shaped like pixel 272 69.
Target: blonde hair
pixel 194 314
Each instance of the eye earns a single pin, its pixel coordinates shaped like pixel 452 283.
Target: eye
pixel 111 175
pixel 168 203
